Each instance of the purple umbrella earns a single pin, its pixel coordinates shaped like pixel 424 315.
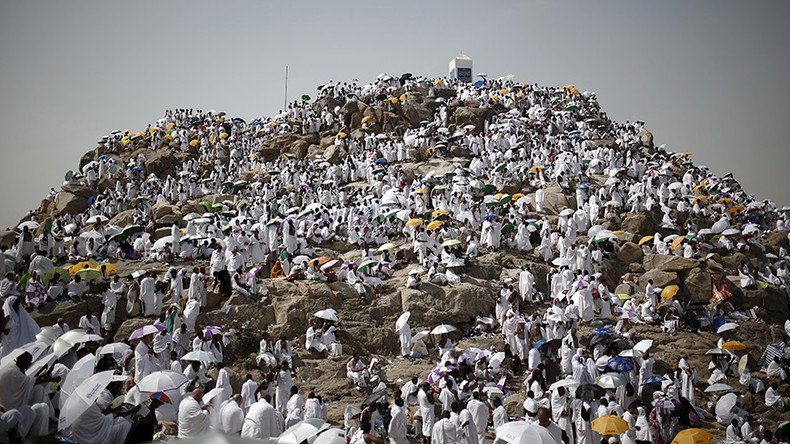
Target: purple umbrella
pixel 146 330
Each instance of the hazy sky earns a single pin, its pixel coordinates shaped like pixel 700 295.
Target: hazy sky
pixel 707 76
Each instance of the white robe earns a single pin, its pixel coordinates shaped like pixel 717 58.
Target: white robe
pixel 231 418
pixel 260 422
pixel 192 419
pixel 93 426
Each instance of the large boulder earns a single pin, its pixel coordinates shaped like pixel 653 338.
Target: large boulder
pixel 646 137
pixel 162 209
pixel 556 200
pixel 665 262
pixel 629 252
pixel 776 240
pixel 416 113
pixel 123 219
pixel 644 223
pixel 696 285
pixel 335 154
pixel 771 302
pixel 70 203
pixel 8 238
pixel 660 278
pixel 464 115
pixel 432 305
pixel 164 162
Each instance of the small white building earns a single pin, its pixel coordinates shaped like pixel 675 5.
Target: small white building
pixel 461 68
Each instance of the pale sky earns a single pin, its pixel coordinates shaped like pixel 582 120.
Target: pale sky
pixel 707 76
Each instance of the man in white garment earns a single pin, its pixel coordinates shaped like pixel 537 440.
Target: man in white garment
pixel 232 416
pixel 192 416
pixel 145 361
pixel 25 394
pixel 479 411
pixel 444 431
pixel 397 427
pixel 261 420
pixel 248 390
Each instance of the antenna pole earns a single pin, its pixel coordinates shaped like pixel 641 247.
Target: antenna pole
pixel 285 99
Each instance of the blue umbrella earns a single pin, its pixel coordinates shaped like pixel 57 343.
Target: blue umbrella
pixel 654 380
pixel 584 185
pixel 539 344
pixel 137 169
pixel 620 364
pixel 602 331
pixel 489 216
pixel 478 84
pixel 91 200
pixel 381 161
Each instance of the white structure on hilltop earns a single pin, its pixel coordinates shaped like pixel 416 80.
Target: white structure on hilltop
pixel 461 68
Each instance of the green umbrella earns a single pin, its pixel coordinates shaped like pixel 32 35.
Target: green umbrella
pixel 428 215
pixel 89 274
pixel 227 184
pixel 205 203
pixel 367 263
pixel 501 167
pixel 114 168
pixel 571 108
pixel 217 206
pixel 240 183
pixel 23 281
pixel 441 187
pixel 49 274
pixel 505 199
pixel 305 97
pixel 508 227
pixel 489 189
pixel 69 175
pixel 450 243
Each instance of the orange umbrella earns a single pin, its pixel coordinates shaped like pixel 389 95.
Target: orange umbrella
pixel 733 345
pixel 610 425
pixel 669 292
pixel 434 225
pixel 415 222
pixel 692 436
pixel 678 240
pixel 645 239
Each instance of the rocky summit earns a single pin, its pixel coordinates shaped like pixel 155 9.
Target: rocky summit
pixel 495 239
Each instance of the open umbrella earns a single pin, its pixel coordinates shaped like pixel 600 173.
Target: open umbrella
pixel 669 292
pixel 716 352
pixel 782 431
pixel 84 396
pixel 36 349
pixel 30 225
pixel 419 335
pixel 434 225
pixel 96 219
pixel 724 407
pixel 443 329
pixel 81 370
pixel 89 274
pixel 567 382
pixel 692 436
pixel 734 345
pixel 387 246
pixel 654 380
pixel 727 326
pixel 521 432
pixel 610 425
pixel 146 330
pixel 301 431
pixel 329 264
pixel 719 388
pixel 82 265
pixel 66 341
pixel 114 348
pixel 414 222
pixel 621 364
pixel 161 381
pixel 402 320
pixel 645 239
pixel 49 335
pixel 450 242
pixel 367 263
pixel 330 436
pixel 199 355
pixel 631 353
pixel 611 380
pixel 328 314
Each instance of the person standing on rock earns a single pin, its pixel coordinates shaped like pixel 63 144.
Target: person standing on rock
pixel 284 383
pixel 396 430
pixel 148 295
pixel 427 412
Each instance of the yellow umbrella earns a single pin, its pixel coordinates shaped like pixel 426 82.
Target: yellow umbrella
pixel 420 191
pixel 678 240
pixel 669 291
pixel 645 239
pixel 403 97
pixel 733 345
pixel 342 135
pixel 368 119
pixel 437 213
pixel 610 425
pixel 725 200
pixel 168 137
pixel 520 95
pixel 503 91
pixel 414 222
pixel 170 126
pixel 571 89
pixel 194 143
pixel 535 169
pixel 152 130
pixel 125 141
pixel 393 100
pixel 139 134
pixel 517 196
pixel 617 232
pixel 80 265
pixel 223 135
pixel 252 156
pixel 438 82
pixel 434 225
pixel 699 187
pixel 736 209
pixel 272 123
pixel 692 436
pixel 499 196
pixel 699 199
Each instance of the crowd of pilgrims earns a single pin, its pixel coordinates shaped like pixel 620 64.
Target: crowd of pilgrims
pixel 277 215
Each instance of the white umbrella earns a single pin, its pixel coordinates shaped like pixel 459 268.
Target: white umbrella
pixel 402 320
pixel 84 396
pixel 611 380
pixel 562 261
pixel 718 388
pixel 724 407
pixel 78 373
pixel 35 349
pixel 115 349
pixel 30 225
pixel 675 186
pixel 328 314
pixel 97 218
pixel 161 381
pixel 88 338
pixel 644 345
pixel 567 212
pixel 301 431
pixel 199 355
pixel 93 234
pixel 731 232
pixel 41 363
pixel 419 335
pixel 330 436
pixel 726 327
pixel 716 351
pixel 67 340
pixel 442 329
pixel 631 353
pixel 161 242
pixel 521 432
pixel 567 382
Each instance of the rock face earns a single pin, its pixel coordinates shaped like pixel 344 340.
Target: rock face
pixel 669 263
pixel 644 223
pixel 72 199
pixel 660 278
pixel 629 252
pixel 696 285
pixel 770 303
pixel 555 200
pixel 464 115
